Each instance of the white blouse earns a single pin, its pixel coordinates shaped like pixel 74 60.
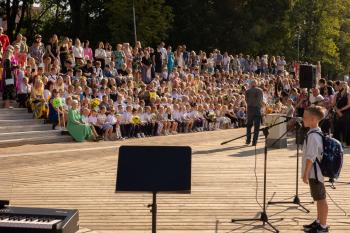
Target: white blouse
pixel 100 53
pixel 78 52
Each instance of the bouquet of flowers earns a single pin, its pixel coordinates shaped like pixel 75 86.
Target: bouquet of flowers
pixel 136 120
pixel 95 103
pixel 153 117
pixel 57 102
pixel 212 116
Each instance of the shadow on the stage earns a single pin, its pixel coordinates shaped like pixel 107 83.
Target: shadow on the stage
pixel 217 150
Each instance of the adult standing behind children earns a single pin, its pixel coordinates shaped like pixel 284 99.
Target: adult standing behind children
pixel 312 150
pixel 254 98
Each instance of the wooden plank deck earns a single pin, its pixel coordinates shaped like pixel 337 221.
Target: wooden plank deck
pixel 82 176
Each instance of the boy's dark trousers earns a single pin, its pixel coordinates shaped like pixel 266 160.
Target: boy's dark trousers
pixel 22 100
pixel 54 124
pixel 150 129
pixel 126 130
pixel 181 126
pixel 198 123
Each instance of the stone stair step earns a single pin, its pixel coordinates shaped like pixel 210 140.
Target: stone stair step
pixel 16 110
pixel 35 140
pixel 22 128
pixel 29 134
pixel 12 122
pixel 15 116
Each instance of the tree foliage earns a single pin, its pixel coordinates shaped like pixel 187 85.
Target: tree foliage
pixel 153 20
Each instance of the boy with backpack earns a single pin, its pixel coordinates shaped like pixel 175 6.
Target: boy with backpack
pixel 312 174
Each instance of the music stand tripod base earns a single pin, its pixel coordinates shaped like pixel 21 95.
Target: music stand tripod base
pixel 263 218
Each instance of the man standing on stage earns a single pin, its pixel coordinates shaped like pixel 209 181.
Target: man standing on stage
pixel 254 99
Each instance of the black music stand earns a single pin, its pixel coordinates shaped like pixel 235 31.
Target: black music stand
pixel 154 169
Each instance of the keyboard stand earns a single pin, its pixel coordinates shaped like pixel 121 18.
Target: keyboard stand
pixel 4 203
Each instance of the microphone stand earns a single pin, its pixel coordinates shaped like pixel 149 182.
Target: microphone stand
pixel 296 199
pixel 263 215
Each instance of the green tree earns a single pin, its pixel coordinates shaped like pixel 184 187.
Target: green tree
pixel 344 38
pixel 153 20
pixel 320 23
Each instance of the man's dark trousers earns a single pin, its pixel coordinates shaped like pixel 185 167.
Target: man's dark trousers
pixel 254 118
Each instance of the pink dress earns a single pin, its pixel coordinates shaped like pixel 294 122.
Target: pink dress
pixel 88 53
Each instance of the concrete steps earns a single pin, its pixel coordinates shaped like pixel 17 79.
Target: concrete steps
pixel 22 122
pixel 13 110
pixel 35 141
pixel 20 128
pixel 17 127
pixel 29 134
pixel 13 116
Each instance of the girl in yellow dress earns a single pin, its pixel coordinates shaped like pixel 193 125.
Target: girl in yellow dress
pixel 37 101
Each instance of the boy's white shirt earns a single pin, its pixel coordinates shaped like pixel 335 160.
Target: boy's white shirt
pixel 127 117
pixel 92 120
pixel 177 115
pixel 102 118
pixel 85 119
pixel 312 149
pixel 145 117
pixel 24 89
pixel 194 114
pixel 111 119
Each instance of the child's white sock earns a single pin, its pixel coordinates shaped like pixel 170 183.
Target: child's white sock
pixel 318 221
pixel 324 226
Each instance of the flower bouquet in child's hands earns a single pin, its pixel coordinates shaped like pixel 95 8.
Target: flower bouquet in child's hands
pixel 95 103
pixel 212 116
pixel 57 102
pixel 153 117
pixel 136 120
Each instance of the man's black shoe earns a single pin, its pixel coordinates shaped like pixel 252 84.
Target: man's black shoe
pixel 313 225
pixel 247 143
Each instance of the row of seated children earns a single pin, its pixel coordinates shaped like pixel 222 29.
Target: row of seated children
pixel 149 121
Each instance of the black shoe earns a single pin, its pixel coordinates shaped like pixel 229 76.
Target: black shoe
pixel 311 226
pixel 254 144
pixel 319 229
pixel 247 142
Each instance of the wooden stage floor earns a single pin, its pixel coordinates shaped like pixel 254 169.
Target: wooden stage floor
pixel 82 176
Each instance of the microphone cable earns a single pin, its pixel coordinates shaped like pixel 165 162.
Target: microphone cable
pixel 256 180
